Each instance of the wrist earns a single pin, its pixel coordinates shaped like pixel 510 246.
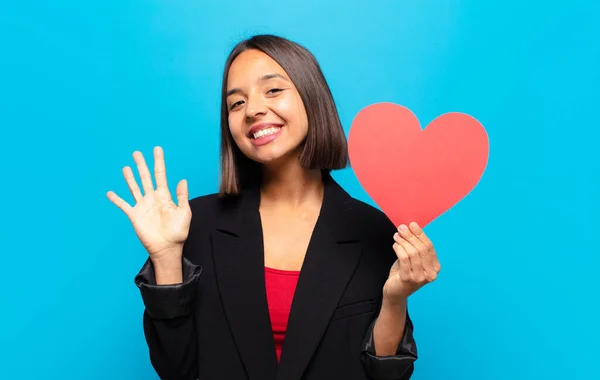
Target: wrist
pixel 395 304
pixel 167 254
pixel 168 267
pixel 389 327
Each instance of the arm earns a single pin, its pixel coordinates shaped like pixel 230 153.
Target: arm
pixel 168 281
pixel 389 328
pixel 389 348
pixel 168 320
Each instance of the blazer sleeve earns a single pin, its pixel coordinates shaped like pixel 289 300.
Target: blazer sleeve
pixel 168 321
pixel 397 367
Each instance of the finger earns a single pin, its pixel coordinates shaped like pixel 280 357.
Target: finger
pixel 418 232
pixel 182 194
pixel 429 270
pixel 435 264
pixel 144 172
pixel 430 259
pixel 416 265
pixel 160 172
pixel 132 183
pixel 404 262
pixel 119 202
pixel 407 235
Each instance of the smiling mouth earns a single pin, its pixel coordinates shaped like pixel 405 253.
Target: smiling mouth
pixel 265 132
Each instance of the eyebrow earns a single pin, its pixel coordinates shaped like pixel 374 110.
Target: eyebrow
pixel 261 79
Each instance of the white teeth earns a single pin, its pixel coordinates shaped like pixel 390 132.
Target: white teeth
pixel 265 132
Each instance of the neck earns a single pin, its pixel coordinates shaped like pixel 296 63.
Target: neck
pixel 291 185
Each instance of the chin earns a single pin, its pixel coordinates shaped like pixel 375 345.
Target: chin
pixel 274 157
pixel 268 160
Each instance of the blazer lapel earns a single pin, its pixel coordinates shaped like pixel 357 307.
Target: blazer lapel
pixel 239 267
pixel 332 256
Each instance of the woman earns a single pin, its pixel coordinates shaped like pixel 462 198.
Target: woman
pixel 282 275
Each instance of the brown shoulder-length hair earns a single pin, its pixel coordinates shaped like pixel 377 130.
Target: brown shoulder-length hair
pixel 325 146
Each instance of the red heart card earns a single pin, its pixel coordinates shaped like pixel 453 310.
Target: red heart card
pixel 416 174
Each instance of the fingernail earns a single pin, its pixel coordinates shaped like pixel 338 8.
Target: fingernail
pixel 403 228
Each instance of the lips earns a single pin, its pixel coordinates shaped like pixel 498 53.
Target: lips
pixel 258 127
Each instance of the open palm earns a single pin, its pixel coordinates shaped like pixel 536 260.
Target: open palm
pixel 161 225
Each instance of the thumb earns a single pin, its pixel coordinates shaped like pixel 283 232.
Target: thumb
pixel 182 194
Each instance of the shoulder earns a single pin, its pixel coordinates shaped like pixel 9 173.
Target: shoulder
pixel 371 220
pixel 375 231
pixel 207 211
pixel 204 203
pixel 368 220
pixel 212 204
pixel 368 214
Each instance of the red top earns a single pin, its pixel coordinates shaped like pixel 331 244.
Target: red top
pixel 280 286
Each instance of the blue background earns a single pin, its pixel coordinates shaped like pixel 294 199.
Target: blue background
pixel 84 84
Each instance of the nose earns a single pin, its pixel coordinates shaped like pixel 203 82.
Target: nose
pixel 255 106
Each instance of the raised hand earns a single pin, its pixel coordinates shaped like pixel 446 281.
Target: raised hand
pixel 416 266
pixel 161 225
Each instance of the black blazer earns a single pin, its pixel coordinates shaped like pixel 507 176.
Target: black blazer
pixel 216 324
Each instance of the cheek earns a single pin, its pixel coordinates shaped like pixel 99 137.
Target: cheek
pixel 292 109
pixel 302 117
pixel 288 105
pixel 234 127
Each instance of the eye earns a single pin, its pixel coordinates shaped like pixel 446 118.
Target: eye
pixel 274 90
pixel 234 105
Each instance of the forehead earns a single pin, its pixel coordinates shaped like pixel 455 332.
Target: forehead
pixel 250 66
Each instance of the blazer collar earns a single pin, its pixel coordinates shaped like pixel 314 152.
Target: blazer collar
pixel 330 261
pixel 236 210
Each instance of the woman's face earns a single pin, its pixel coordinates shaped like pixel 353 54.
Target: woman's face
pixel 267 118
